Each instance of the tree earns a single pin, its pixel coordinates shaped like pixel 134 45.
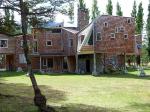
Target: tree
pixel 109 7
pixel 71 11
pixel 82 4
pixel 95 10
pixel 119 12
pixel 28 8
pixel 134 10
pixel 139 19
pixel 148 30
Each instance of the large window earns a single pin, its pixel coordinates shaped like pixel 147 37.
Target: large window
pixel 98 36
pixel 22 59
pixel 35 47
pixel 3 43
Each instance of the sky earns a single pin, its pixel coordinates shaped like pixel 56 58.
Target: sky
pixel 126 7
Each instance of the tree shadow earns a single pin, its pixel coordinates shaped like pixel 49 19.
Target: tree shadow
pixel 84 108
pixel 19 97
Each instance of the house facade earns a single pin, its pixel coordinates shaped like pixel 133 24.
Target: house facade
pixel 89 48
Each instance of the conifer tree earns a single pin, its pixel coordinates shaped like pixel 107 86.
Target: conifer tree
pixel 109 7
pixel 95 10
pixel 119 12
pixel 134 10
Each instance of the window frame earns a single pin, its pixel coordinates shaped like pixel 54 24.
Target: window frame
pixel 6 43
pixel 125 35
pixel 70 41
pixel 105 24
pixel 97 36
pixel 50 41
pixel 111 36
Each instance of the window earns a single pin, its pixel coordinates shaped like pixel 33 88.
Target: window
pixel 125 36
pixel 116 29
pixel 129 20
pixel 56 30
pixel 81 38
pixel 48 43
pixel 22 59
pixel 70 42
pixel 105 24
pixel 98 36
pixel 44 62
pixel 35 47
pixel 121 29
pixel 112 35
pixel 3 43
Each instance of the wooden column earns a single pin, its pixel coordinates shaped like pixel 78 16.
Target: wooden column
pixel 77 63
pixel 94 65
pixel 40 64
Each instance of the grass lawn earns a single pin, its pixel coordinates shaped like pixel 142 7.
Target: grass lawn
pixel 77 93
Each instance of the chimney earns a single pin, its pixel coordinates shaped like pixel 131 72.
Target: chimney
pixel 83 18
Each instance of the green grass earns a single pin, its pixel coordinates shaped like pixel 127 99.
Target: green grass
pixel 77 93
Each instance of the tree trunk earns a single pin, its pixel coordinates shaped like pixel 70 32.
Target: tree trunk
pixel 39 99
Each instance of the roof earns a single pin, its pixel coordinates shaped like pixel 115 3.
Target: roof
pixel 52 24
pixel 71 30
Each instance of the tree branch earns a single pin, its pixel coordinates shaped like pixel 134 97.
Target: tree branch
pixel 12 8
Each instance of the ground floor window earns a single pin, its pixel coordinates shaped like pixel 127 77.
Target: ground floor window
pixel 22 59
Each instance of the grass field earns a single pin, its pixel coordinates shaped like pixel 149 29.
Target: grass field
pixel 77 93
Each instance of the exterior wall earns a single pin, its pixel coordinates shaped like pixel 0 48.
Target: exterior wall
pixel 118 44
pixel 69 50
pixel 11 45
pixel 83 18
pixel 71 63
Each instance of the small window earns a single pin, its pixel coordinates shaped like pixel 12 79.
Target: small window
pixel 81 38
pixel 70 42
pixel 126 36
pixel 121 29
pixel 22 59
pixel 3 43
pixel 44 62
pixel 49 43
pixel 98 36
pixel 112 35
pixel 105 24
pixel 129 21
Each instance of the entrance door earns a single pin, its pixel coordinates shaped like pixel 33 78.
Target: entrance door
pixel 88 66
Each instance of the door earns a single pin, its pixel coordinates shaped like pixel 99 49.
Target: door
pixel 88 66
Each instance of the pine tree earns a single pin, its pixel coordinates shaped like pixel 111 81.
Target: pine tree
pixel 82 4
pixel 119 12
pixel 71 11
pixel 95 10
pixel 134 10
pixel 139 19
pixel 109 7
pixel 148 29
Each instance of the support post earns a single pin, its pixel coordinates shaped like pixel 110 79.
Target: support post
pixel 40 64
pixel 77 71
pixel 94 65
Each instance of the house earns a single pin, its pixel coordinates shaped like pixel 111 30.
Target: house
pixel 90 48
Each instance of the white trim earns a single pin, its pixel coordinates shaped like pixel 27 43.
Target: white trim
pixel 113 36
pixel 129 19
pixel 100 36
pixel 51 43
pixel 6 45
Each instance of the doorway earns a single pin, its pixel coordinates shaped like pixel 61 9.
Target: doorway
pixel 88 66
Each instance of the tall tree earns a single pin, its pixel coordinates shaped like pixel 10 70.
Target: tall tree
pixel 148 29
pixel 82 4
pixel 139 19
pixel 95 10
pixel 71 11
pixel 109 7
pixel 119 12
pixel 134 10
pixel 28 8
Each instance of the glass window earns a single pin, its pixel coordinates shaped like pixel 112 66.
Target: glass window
pixel 105 24
pixel 3 43
pixel 125 36
pixel 22 59
pixel 112 35
pixel 48 43
pixel 98 36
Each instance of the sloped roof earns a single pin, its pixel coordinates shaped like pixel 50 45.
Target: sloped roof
pixel 51 24
pixel 71 30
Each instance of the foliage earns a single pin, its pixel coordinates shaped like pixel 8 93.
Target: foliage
pixel 71 11
pixel 139 19
pixel 82 4
pixel 134 10
pixel 95 10
pixel 119 12
pixel 109 7
pixel 148 29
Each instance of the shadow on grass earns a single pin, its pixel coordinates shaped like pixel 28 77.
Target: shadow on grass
pixel 84 108
pixel 19 97
pixel 11 73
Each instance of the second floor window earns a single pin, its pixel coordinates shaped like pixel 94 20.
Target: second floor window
pixel 3 43
pixel 70 42
pixel 49 43
pixel 112 35
pixel 98 37
pixel 35 47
